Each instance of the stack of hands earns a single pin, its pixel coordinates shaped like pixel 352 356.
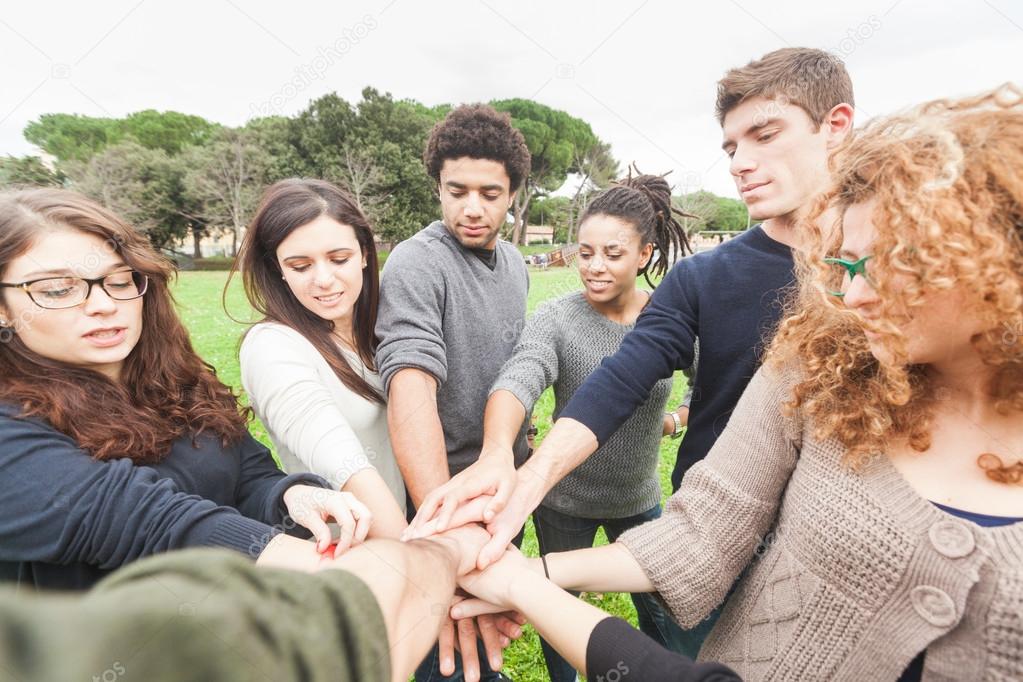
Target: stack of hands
pixel 478 514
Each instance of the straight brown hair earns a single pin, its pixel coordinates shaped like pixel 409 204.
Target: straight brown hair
pixel 814 80
pixel 286 206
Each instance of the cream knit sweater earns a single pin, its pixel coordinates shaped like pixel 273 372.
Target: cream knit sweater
pixel 848 575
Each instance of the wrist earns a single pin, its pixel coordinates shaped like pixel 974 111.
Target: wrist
pixel 498 451
pixel 531 484
pixel 527 586
pixel 449 550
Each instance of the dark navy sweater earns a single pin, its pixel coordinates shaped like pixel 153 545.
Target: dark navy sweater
pixel 731 298
pixel 67 520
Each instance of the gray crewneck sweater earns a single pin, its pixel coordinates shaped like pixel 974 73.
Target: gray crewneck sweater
pixel 562 343
pixel 444 311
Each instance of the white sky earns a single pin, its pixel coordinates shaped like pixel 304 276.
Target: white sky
pixel 641 73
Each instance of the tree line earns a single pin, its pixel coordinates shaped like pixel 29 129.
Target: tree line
pixel 178 177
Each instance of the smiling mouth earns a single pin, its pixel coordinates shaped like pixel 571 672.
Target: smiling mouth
pixel 329 298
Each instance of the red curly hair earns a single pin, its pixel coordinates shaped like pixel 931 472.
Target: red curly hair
pixel 947 182
pixel 167 390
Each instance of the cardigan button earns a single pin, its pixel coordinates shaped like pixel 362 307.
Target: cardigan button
pixel 952 538
pixel 934 605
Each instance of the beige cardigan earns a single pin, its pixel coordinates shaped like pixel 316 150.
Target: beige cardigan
pixel 848 575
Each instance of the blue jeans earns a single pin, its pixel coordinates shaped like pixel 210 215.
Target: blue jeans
pixel 557 532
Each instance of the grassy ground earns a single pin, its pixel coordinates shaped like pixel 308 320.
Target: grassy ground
pixel 216 338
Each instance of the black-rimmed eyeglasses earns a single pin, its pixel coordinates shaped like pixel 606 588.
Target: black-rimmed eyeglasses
pixel 67 292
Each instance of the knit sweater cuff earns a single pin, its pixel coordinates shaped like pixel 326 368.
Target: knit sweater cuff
pixel 517 389
pixel 240 533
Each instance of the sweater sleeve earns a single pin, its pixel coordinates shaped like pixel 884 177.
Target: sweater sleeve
pixel 222 616
pixel 727 503
pixel 410 318
pixel 661 342
pixel 616 646
pixel 61 506
pixel 690 373
pixel 261 487
pixel 295 404
pixel 533 365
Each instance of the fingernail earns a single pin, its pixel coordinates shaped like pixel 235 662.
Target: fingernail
pixel 456 613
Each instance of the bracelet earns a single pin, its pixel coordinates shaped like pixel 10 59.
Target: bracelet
pixel 546 573
pixel 678 423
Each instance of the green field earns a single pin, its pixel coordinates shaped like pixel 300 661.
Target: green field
pixel 216 337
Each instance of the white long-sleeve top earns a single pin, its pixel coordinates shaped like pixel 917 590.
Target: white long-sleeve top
pixel 316 423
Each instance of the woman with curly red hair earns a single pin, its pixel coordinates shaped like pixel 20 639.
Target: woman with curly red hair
pixel 116 440
pixel 872 467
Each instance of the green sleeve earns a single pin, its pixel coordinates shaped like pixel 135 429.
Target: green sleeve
pixel 204 614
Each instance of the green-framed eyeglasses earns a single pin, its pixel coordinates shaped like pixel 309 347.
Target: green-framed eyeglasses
pixel 849 271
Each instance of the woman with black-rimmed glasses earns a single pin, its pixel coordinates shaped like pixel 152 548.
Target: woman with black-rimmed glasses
pixel 116 440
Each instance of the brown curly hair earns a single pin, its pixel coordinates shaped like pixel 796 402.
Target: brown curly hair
pixel 947 181
pixel 167 390
pixel 478 131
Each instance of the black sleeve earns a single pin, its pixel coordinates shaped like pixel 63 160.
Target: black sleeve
pixel 617 647
pixel 261 486
pixel 61 506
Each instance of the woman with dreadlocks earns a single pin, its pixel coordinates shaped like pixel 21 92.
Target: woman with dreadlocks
pixel 626 231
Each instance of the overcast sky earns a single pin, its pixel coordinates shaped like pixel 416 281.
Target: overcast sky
pixel 641 73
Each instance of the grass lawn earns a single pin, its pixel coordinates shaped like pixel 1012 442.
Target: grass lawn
pixel 216 338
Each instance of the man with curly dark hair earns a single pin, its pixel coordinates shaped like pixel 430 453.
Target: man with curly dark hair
pixel 452 305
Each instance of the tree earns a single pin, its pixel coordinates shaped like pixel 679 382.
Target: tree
pixel 595 168
pixel 374 149
pixel 70 137
pixel 362 177
pixel 554 212
pixel 226 178
pixel 713 212
pixel 170 131
pixel 555 140
pixel 141 185
pixel 28 171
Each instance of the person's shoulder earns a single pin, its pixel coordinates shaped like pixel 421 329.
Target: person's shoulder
pixel 269 340
pixel 272 332
pixel 433 237
pixel 569 311
pixel 13 421
pixel 419 254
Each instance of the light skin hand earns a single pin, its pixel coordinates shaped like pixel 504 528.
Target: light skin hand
pixel 492 629
pixel 492 474
pixel 311 507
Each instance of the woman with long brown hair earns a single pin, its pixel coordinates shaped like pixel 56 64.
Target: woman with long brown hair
pixel 116 440
pixel 309 266
pixel 873 466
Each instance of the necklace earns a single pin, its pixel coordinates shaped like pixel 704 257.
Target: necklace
pixel 998 471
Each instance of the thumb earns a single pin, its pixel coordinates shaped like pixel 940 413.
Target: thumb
pixel 494 549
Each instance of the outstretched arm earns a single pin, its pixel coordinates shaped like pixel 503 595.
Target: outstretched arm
pixel 370 616
pixel 587 637
pixel 661 342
